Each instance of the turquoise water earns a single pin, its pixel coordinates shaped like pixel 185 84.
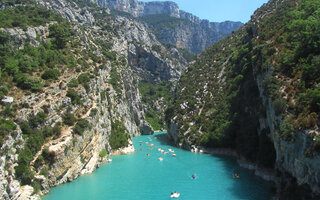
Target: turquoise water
pixel 141 177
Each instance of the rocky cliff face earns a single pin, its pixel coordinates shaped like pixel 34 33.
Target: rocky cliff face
pixel 246 96
pixel 122 53
pixel 189 32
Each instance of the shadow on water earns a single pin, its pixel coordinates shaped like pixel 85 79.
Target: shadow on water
pixel 163 139
pixel 241 187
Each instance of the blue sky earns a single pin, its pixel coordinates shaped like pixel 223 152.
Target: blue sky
pixel 220 10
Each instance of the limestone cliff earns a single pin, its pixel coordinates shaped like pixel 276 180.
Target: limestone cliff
pixel 188 31
pixel 251 93
pixel 105 58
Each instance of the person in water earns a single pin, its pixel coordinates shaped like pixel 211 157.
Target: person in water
pixel 236 175
pixel 193 176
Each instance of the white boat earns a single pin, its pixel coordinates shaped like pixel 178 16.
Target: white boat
pixel 175 195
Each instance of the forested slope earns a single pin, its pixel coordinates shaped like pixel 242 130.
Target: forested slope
pixel 258 91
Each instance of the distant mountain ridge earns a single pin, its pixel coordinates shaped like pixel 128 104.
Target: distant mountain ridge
pixel 195 36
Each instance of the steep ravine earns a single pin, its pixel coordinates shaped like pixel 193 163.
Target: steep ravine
pixel 116 60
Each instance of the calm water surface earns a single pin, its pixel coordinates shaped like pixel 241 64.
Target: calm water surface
pixel 141 177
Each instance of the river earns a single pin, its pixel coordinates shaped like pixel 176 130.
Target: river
pixel 138 176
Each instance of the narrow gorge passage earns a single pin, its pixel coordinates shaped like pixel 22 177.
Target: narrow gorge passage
pixel 139 176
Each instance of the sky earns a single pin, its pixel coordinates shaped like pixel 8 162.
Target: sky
pixel 219 10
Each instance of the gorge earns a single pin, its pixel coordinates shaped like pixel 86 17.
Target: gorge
pixel 80 79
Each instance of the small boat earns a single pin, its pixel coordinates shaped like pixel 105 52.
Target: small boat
pixel 109 160
pixel 236 175
pixel 175 195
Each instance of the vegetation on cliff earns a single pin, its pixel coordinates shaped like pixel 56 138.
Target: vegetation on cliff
pixel 218 101
pixel 151 93
pixel 56 65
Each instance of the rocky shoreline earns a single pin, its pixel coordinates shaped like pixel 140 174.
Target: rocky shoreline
pixel 125 150
pixel 263 173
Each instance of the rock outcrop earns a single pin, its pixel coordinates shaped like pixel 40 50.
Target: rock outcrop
pixel 189 32
pixel 111 95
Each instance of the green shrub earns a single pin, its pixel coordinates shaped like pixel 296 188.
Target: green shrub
pixel 189 56
pixel 110 55
pixel 103 153
pixel 69 119
pixel 47 131
pixel 310 98
pixel 27 63
pixel 56 130
pixel 84 78
pixel 48 157
pixel 25 128
pixel 51 74
pixel 279 106
pixel 73 83
pixel 26 15
pixel 4 90
pixel 26 83
pixel 154 120
pixel 60 34
pixel 1 95
pixel 75 99
pixel 316 144
pixel 115 80
pixel 118 137
pixel 103 96
pixel 6 127
pixel 81 126
pixel 272 86
pixel 93 112
pixel 36 186
pixel 150 92
pixel 26 175
pixel 287 130
pixel 44 171
pixel 38 119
